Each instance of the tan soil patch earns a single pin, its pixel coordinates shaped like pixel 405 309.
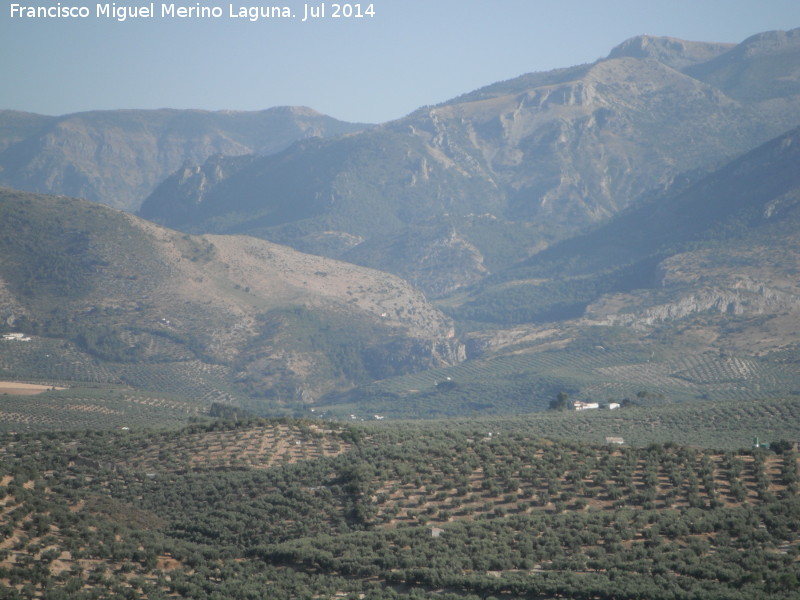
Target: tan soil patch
pixel 15 388
pixel 167 563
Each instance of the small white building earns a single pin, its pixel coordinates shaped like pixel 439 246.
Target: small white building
pixel 613 405
pixel 578 405
pixel 16 337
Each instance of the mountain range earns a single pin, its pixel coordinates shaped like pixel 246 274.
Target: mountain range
pixel 117 157
pixel 619 238
pixel 531 160
pixel 620 229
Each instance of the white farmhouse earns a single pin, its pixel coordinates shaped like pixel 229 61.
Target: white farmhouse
pixel 578 405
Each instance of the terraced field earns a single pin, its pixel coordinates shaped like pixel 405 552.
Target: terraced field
pixel 102 407
pixel 548 479
pixel 528 381
pixel 723 424
pixel 201 382
pixel 98 394
pixel 257 448
pixel 223 509
pixel 50 360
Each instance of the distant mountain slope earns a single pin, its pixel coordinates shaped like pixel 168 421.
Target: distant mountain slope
pixel 118 157
pixel 279 323
pixel 548 152
pixel 16 126
pixel 735 259
pixel 761 68
pixel 673 52
pixel 693 295
pixel 718 258
pixel 743 197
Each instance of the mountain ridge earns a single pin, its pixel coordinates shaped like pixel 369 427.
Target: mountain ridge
pixel 722 245
pixel 116 157
pixel 556 152
pixel 673 52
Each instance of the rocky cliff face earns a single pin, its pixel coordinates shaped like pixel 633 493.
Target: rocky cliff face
pixel 744 294
pixel 187 187
pixel 578 151
pixel 747 298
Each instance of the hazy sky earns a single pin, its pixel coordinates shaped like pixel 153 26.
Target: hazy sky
pixel 372 69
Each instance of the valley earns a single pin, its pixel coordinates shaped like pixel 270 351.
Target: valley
pixel 483 286
pixel 538 341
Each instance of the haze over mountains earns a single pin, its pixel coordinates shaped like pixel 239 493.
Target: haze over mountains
pixel 724 246
pixel 549 153
pixel 620 239
pixel 634 218
pixel 117 157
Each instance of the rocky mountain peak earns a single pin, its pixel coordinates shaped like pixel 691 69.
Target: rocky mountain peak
pixel 673 52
